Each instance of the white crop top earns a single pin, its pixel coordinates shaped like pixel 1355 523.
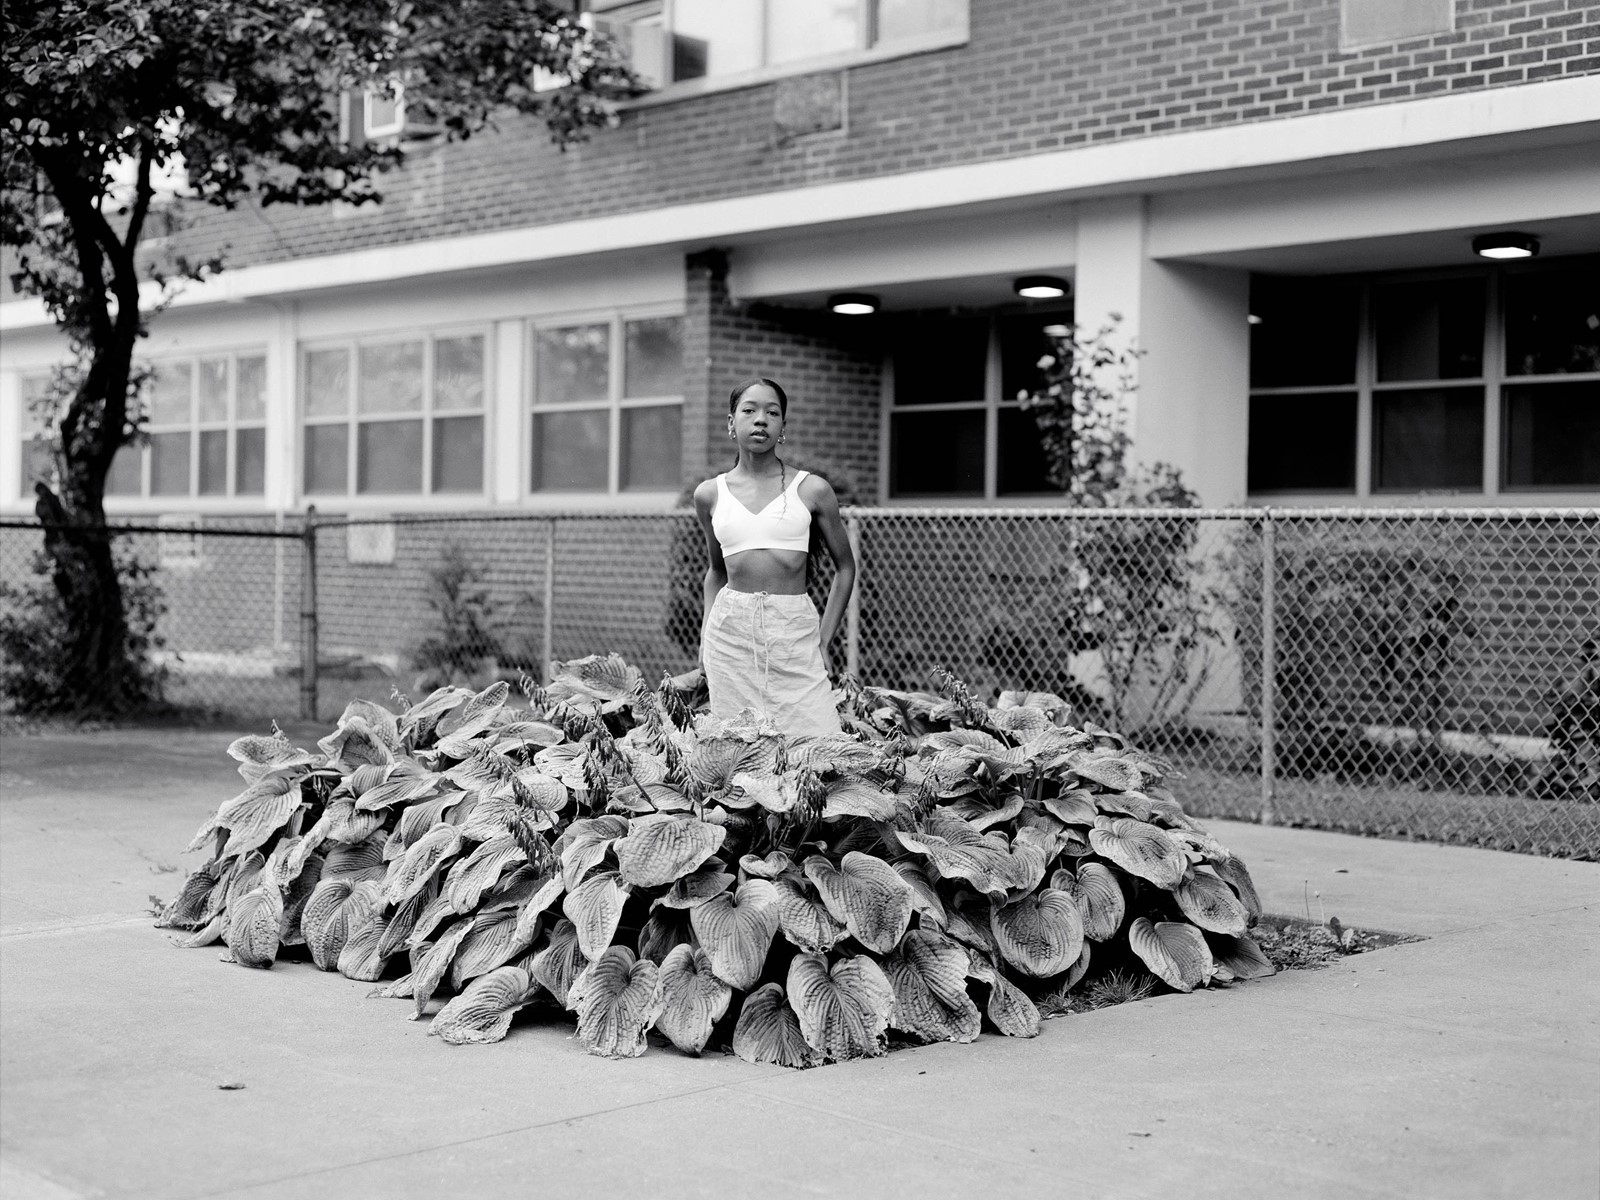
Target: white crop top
pixel 784 524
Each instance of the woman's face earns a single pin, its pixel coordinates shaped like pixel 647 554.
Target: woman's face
pixel 757 419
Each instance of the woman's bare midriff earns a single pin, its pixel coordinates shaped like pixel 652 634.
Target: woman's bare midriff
pixel 776 572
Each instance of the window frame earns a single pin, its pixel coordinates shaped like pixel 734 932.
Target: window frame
pixel 230 496
pixel 1494 380
pixel 991 405
pixel 426 413
pixel 614 404
pixel 868 50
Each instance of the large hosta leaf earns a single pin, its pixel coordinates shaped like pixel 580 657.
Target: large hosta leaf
pixel 1234 871
pixel 493 942
pixel 431 970
pixel 1111 771
pixel 716 760
pixel 596 677
pixel 419 864
pixel 844 1011
pixel 595 908
pixel 483 1012
pixel 257 755
pixel 768 1031
pixel 1174 950
pixel 355 861
pixel 1241 956
pixel 585 843
pixel 360 957
pixel 958 851
pixel 1098 896
pixel 471 876
pixel 546 891
pixel 709 879
pixel 660 849
pixel 1073 806
pixel 858 798
pixel 925 899
pixel 928 973
pixel 693 999
pixel 1139 849
pixel 253 816
pixel 255 921
pixel 866 895
pixel 1039 934
pixel 1009 1010
pixel 560 962
pixel 187 910
pixel 804 918
pixel 736 928
pixel 663 931
pixel 403 920
pixel 335 909
pixel 1210 903
pixel 617 1002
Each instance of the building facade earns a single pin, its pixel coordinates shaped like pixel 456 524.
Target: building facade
pixel 1284 205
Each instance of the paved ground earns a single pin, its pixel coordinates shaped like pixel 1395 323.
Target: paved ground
pixel 1464 1066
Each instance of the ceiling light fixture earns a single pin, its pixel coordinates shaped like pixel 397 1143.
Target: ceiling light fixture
pixel 1041 287
pixel 853 304
pixel 1505 245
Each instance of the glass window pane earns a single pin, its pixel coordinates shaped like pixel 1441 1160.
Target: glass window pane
pixel 126 467
pixel 1304 331
pixel 713 37
pixel 169 395
pixel 214 462
pixel 940 361
pixel 390 378
pixel 1553 319
pixel 653 362
pixel 1022 466
pixel 250 462
pixel 1552 435
pixel 458 455
pixel 458 373
pixel 574 364
pixel 1429 330
pixel 251 389
pixel 799 29
pixel 389 456
pixel 936 453
pixel 327 459
pixel 570 449
pixel 1428 438
pixel 910 18
pixel 169 464
pixel 1304 443
pixel 213 390
pixel 652 448
pixel 327 383
pixel 1023 344
pixel 38 464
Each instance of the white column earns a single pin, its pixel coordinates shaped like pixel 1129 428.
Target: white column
pixel 1192 404
pixel 508 460
pixel 283 408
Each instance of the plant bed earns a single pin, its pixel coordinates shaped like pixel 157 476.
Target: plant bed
pixel 1292 944
pixel 941 867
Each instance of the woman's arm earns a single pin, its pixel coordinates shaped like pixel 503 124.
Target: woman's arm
pixel 818 496
pixel 705 499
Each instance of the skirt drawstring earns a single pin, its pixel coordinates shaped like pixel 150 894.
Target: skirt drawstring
pixel 760 644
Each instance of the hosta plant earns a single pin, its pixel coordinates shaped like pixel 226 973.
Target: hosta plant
pixel 941 866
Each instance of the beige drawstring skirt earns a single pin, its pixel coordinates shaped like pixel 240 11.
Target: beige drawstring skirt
pixel 764 652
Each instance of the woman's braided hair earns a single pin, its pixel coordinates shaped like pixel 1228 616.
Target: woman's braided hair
pixel 739 389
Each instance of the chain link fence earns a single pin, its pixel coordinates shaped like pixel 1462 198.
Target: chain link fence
pixel 1435 671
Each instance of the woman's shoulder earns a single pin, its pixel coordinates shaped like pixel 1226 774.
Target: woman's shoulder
pixel 813 486
pixel 705 493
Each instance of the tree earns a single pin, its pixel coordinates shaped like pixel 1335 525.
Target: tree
pixel 238 99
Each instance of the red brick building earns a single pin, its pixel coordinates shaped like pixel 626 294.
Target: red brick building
pixel 1287 203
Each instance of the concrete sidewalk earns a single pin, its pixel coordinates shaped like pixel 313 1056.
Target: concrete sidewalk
pixel 1467 1065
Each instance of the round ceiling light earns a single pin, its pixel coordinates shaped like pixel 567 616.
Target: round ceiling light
pixel 853 304
pixel 1040 287
pixel 1505 245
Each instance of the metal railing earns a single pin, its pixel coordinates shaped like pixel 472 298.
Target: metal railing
pixel 1406 672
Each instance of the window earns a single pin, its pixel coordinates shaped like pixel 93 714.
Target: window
pixel 38 451
pixel 1368 22
pixel 955 427
pixel 672 41
pixel 206 431
pixel 394 416
pixel 608 405
pixel 1476 382
pixel 371 116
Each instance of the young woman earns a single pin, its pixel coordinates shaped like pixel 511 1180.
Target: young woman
pixel 761 643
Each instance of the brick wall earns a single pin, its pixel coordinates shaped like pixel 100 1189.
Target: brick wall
pixel 830 367
pixel 1036 76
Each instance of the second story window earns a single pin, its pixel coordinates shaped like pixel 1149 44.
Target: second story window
pixel 673 41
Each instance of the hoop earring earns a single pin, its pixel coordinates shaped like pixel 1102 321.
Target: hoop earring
pixel 782 438
pixel 730 431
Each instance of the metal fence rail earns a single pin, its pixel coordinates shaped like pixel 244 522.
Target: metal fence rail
pixel 1433 673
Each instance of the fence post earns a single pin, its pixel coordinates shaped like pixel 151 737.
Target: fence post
pixel 1269 664
pixel 852 612
pixel 548 634
pixel 308 616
